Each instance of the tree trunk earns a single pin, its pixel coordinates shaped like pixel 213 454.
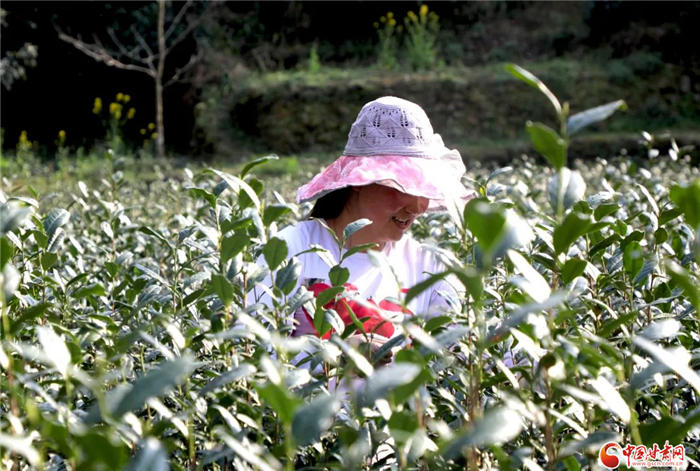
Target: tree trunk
pixel 160 126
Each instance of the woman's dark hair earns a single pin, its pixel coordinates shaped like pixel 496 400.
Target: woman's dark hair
pixel 331 205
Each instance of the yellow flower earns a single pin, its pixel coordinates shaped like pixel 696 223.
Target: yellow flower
pixel 120 96
pixel 392 22
pixel 118 114
pixel 154 136
pixel 151 126
pixel 423 10
pixel 383 19
pixel 114 108
pixel 143 132
pixel 131 113
pixel 127 98
pixel 61 135
pixel 376 25
pixel 97 106
pixel 412 16
pixel 390 15
pixel 23 138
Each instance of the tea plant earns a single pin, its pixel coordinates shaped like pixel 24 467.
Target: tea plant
pixel 130 336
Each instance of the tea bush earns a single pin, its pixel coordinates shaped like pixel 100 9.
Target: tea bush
pixel 128 338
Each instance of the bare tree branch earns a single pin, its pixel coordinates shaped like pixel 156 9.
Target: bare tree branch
pixel 194 58
pixel 177 20
pixel 192 25
pixel 134 54
pixel 151 56
pixel 100 54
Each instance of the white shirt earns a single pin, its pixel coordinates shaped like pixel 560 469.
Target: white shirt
pixel 409 263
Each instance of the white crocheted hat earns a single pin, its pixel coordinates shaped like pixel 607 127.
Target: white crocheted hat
pixel 392 143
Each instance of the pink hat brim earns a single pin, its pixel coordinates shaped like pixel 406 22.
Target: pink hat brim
pixel 438 180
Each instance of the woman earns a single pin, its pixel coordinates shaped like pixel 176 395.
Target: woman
pixel 394 169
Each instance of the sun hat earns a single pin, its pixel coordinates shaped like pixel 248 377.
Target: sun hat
pixel 392 143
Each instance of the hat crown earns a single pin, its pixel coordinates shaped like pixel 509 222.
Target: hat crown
pixel 393 126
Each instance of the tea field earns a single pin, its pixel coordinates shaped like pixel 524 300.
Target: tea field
pixel 129 340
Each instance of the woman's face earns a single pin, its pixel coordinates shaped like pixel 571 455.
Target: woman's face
pixel 391 212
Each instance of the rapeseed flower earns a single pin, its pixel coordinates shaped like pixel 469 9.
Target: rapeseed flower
pixel 143 132
pixel 127 98
pixel 62 136
pixel 97 106
pixel 131 113
pixel 423 10
pixel 23 138
pixel 151 126
pixel 390 15
pixel 154 136
pixel 120 96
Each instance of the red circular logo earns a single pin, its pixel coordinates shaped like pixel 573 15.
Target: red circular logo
pixel 608 460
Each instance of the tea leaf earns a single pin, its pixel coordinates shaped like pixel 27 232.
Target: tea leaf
pixel 548 143
pixel 583 119
pixel 313 419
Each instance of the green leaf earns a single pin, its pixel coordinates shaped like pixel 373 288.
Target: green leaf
pixel 26 317
pixel 416 290
pixel 358 248
pixel 593 115
pixel 328 294
pixel 527 77
pixel 338 275
pixel 669 360
pixel 313 419
pixel 498 425
pixel 238 185
pixel 633 259
pixel 151 274
pixel 94 289
pixel 355 226
pixel 250 166
pixel 288 275
pixel 605 210
pixel 684 280
pixel 204 194
pixel 223 288
pixel 283 403
pixel 669 215
pixel 57 218
pixel 548 143
pixel 155 383
pixel 48 259
pixel 530 282
pixel 152 456
pixel 604 244
pixel 233 245
pixel 574 226
pixel 275 211
pixel 385 380
pixel 6 251
pixel 243 370
pixel 275 252
pixel 152 232
pixel 486 221
pixel 56 240
pixel 669 428
pixel 572 268
pixel 436 322
pixel 687 198
pixel 56 350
